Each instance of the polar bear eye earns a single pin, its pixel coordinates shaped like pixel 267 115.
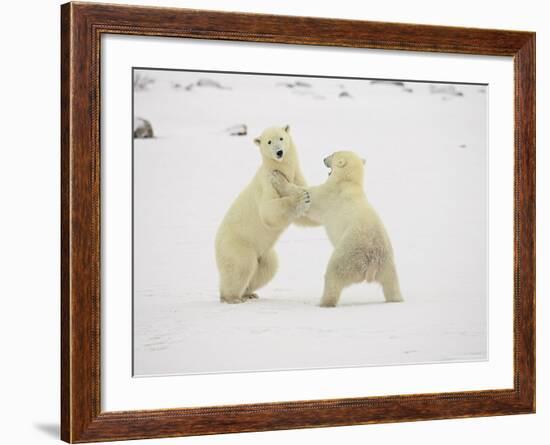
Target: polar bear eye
pixel 269 142
pixel 281 139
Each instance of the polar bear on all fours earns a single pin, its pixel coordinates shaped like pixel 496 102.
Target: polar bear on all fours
pixel 244 243
pixel 362 248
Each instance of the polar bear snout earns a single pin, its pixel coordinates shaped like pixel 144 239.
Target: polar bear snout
pixel 278 153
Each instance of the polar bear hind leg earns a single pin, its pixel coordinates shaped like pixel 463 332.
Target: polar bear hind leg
pixel 387 277
pixel 236 271
pixel 372 270
pixel 343 270
pixel 265 271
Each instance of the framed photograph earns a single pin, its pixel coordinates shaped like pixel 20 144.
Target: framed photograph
pixel 274 222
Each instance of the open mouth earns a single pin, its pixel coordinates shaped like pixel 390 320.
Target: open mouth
pixel 326 161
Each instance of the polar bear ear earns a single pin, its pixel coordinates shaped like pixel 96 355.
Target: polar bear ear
pixel 341 163
pixel 287 128
pixel 257 141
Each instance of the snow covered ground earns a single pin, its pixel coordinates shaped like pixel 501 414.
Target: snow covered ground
pixel 425 147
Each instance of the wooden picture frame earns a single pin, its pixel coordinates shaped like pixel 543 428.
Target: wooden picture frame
pixel 82 25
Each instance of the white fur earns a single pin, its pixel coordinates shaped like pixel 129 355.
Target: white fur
pixel 244 243
pixel 362 248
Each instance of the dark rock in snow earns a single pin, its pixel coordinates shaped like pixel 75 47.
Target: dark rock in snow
pixel 446 90
pixel 295 84
pixel 142 128
pixel 201 83
pixel 344 94
pixel 179 86
pixel 396 83
pixel 209 83
pixel 142 82
pixel 238 130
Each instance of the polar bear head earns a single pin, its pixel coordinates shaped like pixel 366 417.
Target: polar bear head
pixel 275 143
pixel 345 166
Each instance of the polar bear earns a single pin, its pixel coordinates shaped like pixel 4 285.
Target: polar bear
pixel 244 243
pixel 362 248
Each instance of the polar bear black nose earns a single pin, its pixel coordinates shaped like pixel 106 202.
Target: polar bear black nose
pixel 279 153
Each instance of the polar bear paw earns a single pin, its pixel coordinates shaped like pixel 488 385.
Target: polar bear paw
pixel 303 202
pixel 242 299
pixel 301 199
pixel 280 183
pixel 233 300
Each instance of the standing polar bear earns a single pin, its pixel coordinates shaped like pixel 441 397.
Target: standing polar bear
pixel 244 243
pixel 362 248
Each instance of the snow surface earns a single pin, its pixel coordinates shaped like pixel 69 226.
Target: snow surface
pixel 425 174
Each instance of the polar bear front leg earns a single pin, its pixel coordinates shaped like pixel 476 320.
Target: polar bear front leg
pixel 281 184
pixel 277 213
pixel 317 196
